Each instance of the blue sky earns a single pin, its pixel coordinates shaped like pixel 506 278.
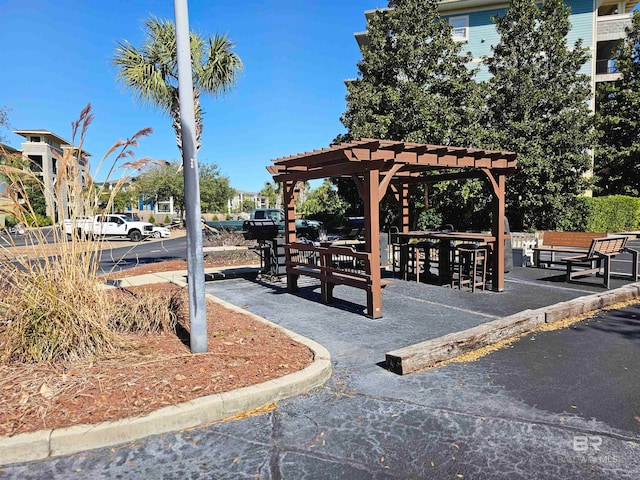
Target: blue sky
pixel 289 99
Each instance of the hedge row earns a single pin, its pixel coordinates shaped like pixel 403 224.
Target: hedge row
pixel 616 213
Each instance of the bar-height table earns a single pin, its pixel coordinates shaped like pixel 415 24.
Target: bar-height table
pixel 444 247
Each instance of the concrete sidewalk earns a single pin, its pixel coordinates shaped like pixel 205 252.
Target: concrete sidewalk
pixel 475 420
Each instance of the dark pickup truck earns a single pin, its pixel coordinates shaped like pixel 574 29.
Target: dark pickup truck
pixel 229 225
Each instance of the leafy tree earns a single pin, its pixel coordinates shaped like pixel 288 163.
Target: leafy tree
pixel 214 189
pixel 247 205
pixel 161 182
pixel 538 107
pixel 413 85
pixel 270 192
pixel 617 155
pixel 325 200
pixel 324 204
pixel 124 198
pixel 152 70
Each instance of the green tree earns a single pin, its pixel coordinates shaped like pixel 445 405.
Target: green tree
pixel 247 205
pixel 538 107
pixel 124 198
pixel 413 83
pixel 617 155
pixel 161 181
pixel 214 189
pixel 324 204
pixel 151 71
pixel 270 192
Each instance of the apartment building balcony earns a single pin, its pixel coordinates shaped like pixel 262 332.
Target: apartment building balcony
pixel 612 27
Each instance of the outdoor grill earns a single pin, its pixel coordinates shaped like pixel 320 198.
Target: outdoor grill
pixel 260 229
pixel 270 245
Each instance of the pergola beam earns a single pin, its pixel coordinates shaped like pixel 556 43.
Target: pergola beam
pixel 377 165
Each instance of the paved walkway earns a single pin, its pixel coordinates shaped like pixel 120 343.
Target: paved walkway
pixel 559 405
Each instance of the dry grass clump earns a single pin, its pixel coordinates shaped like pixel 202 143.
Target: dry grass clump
pixel 146 312
pixel 55 307
pixel 46 320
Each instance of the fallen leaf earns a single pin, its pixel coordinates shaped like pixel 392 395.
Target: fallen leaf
pixel 382 458
pixel 432 464
pixel 637 418
pixel 46 391
pixel 180 377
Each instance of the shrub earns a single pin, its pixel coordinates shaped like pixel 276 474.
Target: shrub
pixel 10 221
pixel 167 219
pixel 215 218
pixel 615 213
pixel 33 219
pixel 152 219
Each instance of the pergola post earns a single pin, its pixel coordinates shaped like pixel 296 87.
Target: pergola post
pixel 497 230
pixel 372 242
pixel 404 207
pixel 289 193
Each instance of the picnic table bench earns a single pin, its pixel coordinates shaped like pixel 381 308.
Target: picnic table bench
pixel 332 265
pixel 563 242
pixel 599 255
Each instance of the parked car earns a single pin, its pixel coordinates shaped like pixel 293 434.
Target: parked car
pixel 160 232
pixel 17 229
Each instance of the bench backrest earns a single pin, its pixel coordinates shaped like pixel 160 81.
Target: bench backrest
pixel 570 239
pixel 607 245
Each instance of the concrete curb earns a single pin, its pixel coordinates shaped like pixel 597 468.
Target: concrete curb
pixel 64 441
pixel 419 356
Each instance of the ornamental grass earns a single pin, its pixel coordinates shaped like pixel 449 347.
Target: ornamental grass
pixel 53 304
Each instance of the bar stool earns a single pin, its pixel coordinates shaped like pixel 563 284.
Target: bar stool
pixel 470 266
pixel 424 255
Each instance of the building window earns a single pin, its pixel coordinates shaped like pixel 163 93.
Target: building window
pixel 35 139
pixel 460 28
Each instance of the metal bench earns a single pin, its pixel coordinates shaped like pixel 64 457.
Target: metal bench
pixel 563 242
pixel 598 257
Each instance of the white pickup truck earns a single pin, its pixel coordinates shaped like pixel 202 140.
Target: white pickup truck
pixel 108 225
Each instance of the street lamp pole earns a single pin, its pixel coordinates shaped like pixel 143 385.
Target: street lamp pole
pixel 195 254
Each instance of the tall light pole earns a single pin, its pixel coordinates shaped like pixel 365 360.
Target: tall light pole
pixel 195 255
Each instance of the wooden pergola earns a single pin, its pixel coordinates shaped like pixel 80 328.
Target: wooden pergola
pixel 380 166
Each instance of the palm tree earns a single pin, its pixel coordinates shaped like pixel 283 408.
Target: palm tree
pixel 152 70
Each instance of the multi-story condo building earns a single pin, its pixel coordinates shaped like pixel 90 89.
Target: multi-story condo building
pixel 42 148
pixel 599 23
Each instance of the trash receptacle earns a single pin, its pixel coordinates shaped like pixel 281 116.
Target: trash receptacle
pixel 384 250
pixel 508 253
